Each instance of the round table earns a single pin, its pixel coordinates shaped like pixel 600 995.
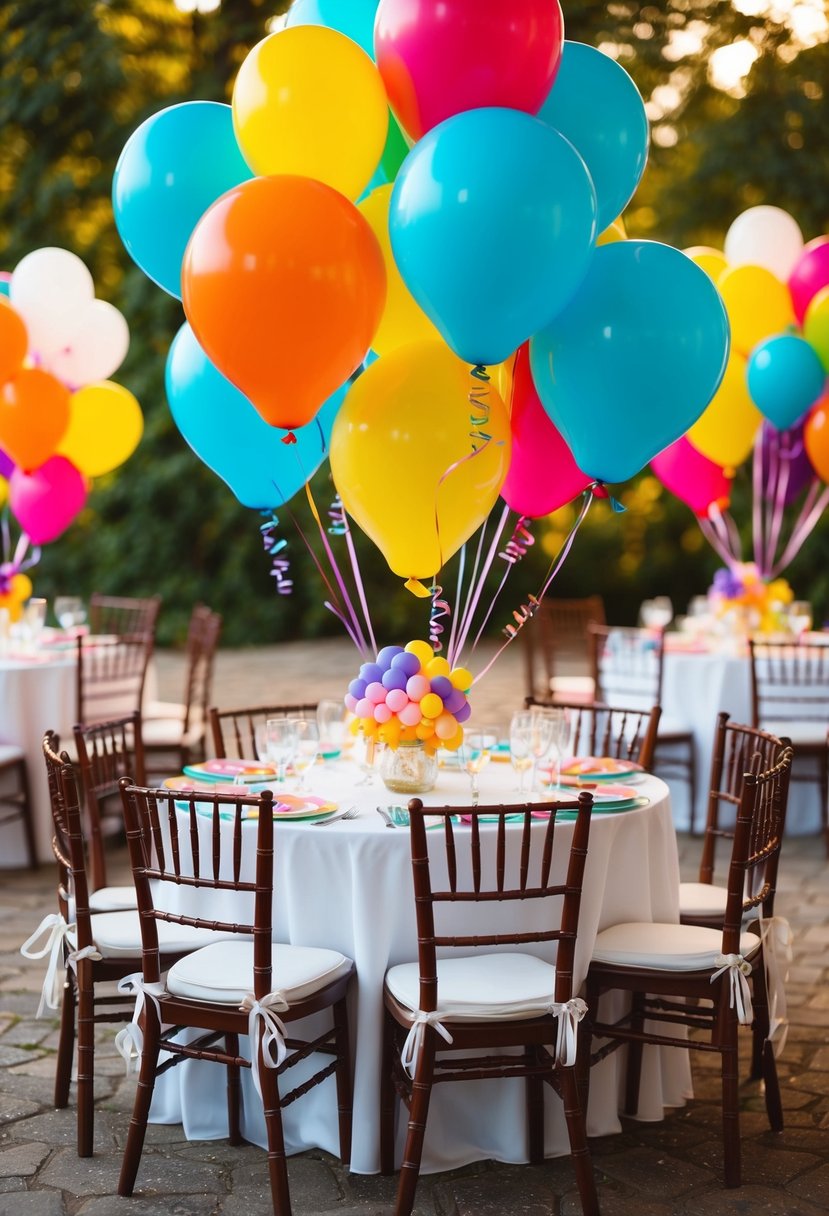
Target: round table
pixel 348 887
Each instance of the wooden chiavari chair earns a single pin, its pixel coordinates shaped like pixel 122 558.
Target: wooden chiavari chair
pixel 234 730
pixel 608 730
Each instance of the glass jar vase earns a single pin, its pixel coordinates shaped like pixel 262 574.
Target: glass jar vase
pixel 409 768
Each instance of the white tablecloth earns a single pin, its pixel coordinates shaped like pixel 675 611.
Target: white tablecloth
pixel 349 887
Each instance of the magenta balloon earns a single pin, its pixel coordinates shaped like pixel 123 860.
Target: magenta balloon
pixel 45 501
pixel 810 275
pixel 793 449
pixel 692 477
pixel 543 475
pixel 440 57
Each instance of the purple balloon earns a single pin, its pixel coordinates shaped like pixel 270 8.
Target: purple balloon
pixel 454 701
pixel 384 658
pixel 394 678
pixel 800 469
pixel 406 662
pixel 357 688
pixel 371 673
pixel 443 686
pixel 6 464
pixel 463 713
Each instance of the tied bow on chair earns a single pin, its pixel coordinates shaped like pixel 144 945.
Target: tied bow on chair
pixel 59 932
pixel 739 969
pixel 129 1042
pixel 414 1039
pixel 263 1023
pixel 569 1014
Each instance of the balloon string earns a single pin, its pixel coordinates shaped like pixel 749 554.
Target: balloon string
pixel 771 478
pixel 345 596
pixel 340 527
pixel 803 528
pixel 439 609
pixel 16 564
pixel 757 499
pixel 778 504
pixel 479 586
pixel 710 533
pixel 274 546
pixel 450 654
pixel 512 553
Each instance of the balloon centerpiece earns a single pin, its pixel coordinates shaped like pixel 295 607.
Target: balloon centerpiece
pixel 746 602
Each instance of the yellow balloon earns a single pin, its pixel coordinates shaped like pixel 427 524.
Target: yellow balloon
pixel 758 305
pixel 613 232
pixel 309 101
pixel 4 490
pixel 20 588
pixel 403 320
pixel 502 377
pixel 816 325
pixel 725 432
pixel 422 651
pixel 712 261
pixel 105 426
pixel 410 464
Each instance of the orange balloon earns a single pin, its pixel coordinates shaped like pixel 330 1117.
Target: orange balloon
pixel 816 437
pixel 284 286
pixel 34 413
pixel 14 341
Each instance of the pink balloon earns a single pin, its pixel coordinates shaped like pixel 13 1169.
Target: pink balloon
pixel 45 501
pixel 417 687
pixel 396 700
pixel 543 475
pixel 364 708
pixel 410 715
pixel 376 693
pixel 692 477
pixel 440 57
pixel 350 702
pixel 810 275
pixel 382 713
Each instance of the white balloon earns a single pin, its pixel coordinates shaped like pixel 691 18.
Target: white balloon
pixel 96 348
pixel 49 288
pixel 764 236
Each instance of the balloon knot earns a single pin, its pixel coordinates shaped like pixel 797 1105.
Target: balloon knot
pixel 417 588
pixel 289 438
pixel 600 489
pixel 479 372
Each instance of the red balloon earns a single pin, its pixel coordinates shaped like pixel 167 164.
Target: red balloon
pixel 692 477
pixel 440 57
pixel 809 275
pixel 543 475
pixel 46 501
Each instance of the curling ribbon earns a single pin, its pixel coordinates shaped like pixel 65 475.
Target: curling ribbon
pixel 439 609
pixel 274 546
pixel 518 544
pixel 479 401
pixel 19 562
pixel 336 513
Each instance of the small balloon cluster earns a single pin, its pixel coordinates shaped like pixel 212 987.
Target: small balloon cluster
pixel 741 592
pixel 411 694
pixel 62 421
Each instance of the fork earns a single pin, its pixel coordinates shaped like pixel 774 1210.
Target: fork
pixel 351 813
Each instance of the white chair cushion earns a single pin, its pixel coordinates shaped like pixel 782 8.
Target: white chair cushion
pixel 665 947
pixel 112 899
pixel 483 987
pixel 799 732
pixel 118 935
pixel 224 972
pixel 159 732
pixel 702 899
pixel 672 726
pixel 9 752
pixel 162 709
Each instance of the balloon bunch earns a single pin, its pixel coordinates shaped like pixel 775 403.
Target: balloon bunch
pixel 772 400
pixel 62 421
pixel 410 694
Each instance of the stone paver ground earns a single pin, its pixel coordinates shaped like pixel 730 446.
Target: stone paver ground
pixel 650 1169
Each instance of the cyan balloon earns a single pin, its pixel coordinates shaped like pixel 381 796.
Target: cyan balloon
pixel 492 223
pixel 785 378
pixel 596 105
pixel 354 18
pixel 171 169
pixel 634 359
pixel 232 438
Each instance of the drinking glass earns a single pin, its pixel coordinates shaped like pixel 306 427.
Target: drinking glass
pixel 800 617
pixel 477 746
pixel 34 618
pixel 365 752
pixel 307 747
pixel 657 613
pixel 332 728
pixel 560 731
pixel 260 741
pixel 520 737
pixel 69 611
pixel 280 743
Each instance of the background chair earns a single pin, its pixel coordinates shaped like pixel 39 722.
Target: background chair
pixel 221 989
pixel 605 730
pixel 557 634
pixel 700 977
pixel 110 677
pixel 790 696
pixel 233 731
pixel 179 729
pixel 488 999
pixel 123 616
pixel 15 798
pixel 627 668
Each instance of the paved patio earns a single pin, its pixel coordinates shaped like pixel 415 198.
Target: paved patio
pixel 656 1169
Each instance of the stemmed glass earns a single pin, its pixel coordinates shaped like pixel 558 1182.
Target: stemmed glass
pixel 280 744
pixel 69 611
pixel 34 618
pixel 539 732
pixel 800 617
pixel 365 748
pixel 560 726
pixel 477 746
pixel 332 728
pixel 657 613
pixel 520 738
pixel 306 749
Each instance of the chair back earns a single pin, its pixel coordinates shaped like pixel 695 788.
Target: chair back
pixel 110 677
pixel 626 665
pixel 758 835
pixel 604 730
pixel 234 730
pixel 123 616
pixel 107 751
pixel 178 841
pixel 789 682
pixel 67 839
pixel 559 629
pixel 203 635
pixel 519 863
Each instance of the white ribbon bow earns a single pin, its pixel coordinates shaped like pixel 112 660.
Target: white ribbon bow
pixel 739 969
pixel 569 1014
pixel 58 931
pixel 776 936
pixel 129 1041
pixel 414 1039
pixel 263 1023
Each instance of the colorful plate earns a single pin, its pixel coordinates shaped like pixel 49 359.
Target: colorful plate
pixel 599 768
pixel 289 807
pixel 231 770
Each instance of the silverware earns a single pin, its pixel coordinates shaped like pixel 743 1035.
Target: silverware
pixel 350 813
pixel 385 816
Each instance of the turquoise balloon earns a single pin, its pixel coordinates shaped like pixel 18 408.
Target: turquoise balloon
pixel 232 438
pixel 785 378
pixel 4 287
pixel 171 169
pixel 634 359
pixel 492 223
pixel 354 18
pixel 596 105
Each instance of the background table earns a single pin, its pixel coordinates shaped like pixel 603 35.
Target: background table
pixel 348 887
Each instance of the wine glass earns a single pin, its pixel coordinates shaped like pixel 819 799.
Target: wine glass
pixel 800 617
pixel 332 728
pixel 307 747
pixel 657 613
pixel 365 751
pixel 34 618
pixel 520 737
pixel 260 741
pixel 69 611
pixel 477 746
pixel 556 734
pixel 280 743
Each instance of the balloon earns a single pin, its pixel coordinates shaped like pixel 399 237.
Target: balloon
pixel 634 359
pixel 34 413
pixel 816 438
pixel 105 427
pixel 725 431
pixel 764 236
pixel 49 288
pixel 440 57
pixel 97 348
pixel 171 169
pixel 284 287
pixel 757 303
pixel 309 101
pixel 6 464
pixel 229 436
pixel 785 377
pixel 692 477
pixel 20 588
pixel 46 501
pixel 355 18
pixel 809 275
pixel 596 105
pixel 816 325
pixel 542 474
pixel 403 462
pixel 403 321
pixel 492 221
pixel 5 281
pixel 14 341
pixel 790 446
pixel 712 261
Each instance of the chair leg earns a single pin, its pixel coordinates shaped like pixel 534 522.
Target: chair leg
pixel 535 1108
pixel 692 786
pixel 727 1024
pixel 141 1106
pixel 634 1061
pixel 343 1078
pixel 760 1023
pixel 774 1106
pixel 413 1152
pixel 824 793
pixel 277 1161
pixel 234 1132
pixel 66 1044
pixel 28 825
pixel 388 1100
pixel 86 1061
pixel 582 1163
